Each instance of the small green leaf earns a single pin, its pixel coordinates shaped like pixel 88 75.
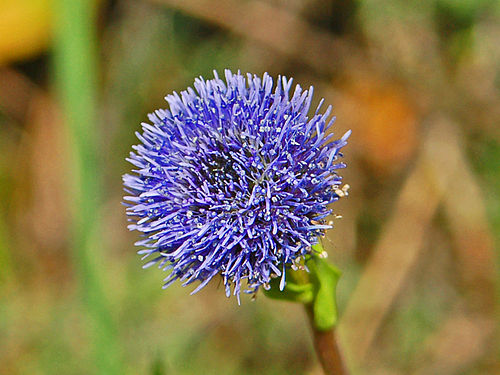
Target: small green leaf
pixel 325 277
pixel 316 288
pixel 294 292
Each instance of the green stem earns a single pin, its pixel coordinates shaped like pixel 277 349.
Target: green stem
pixel 322 312
pixel 75 71
pixel 316 290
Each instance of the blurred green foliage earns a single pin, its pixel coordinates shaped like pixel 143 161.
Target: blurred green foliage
pixel 97 311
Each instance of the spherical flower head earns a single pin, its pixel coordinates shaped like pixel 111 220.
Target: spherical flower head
pixel 234 179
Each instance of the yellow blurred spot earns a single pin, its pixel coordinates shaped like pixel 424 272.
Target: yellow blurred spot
pixel 25 28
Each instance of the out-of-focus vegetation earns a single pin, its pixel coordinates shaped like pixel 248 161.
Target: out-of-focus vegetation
pixel 418 82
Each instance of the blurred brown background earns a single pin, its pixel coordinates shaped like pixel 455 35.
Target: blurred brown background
pixel 417 81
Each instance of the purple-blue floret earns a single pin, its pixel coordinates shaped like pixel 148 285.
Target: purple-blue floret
pixel 234 179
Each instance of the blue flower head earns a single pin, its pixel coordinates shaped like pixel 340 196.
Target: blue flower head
pixel 234 179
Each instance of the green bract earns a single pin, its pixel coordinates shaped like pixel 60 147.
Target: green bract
pixel 316 288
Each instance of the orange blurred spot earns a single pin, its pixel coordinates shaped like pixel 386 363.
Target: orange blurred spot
pixel 383 121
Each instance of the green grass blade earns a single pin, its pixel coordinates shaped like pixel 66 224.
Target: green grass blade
pixel 75 72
